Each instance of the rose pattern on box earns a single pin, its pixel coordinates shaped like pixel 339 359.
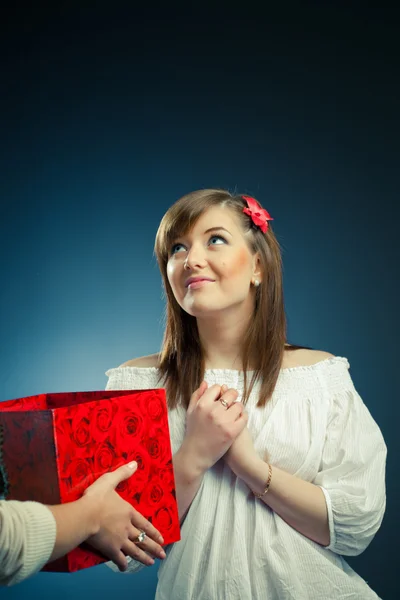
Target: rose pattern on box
pixel 92 433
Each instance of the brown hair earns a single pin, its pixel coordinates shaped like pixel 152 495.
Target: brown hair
pixel 182 363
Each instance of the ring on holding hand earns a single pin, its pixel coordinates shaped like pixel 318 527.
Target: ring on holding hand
pixel 224 403
pixel 140 538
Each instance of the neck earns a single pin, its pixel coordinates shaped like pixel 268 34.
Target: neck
pixel 222 341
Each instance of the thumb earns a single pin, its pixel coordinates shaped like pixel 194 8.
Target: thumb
pixel 197 394
pixel 123 472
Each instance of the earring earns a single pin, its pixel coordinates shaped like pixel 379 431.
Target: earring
pixel 256 283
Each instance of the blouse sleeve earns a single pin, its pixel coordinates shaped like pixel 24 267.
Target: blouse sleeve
pixel 352 472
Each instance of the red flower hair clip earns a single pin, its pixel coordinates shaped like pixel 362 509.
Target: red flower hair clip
pixel 259 215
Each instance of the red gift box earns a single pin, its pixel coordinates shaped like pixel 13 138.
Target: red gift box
pixel 53 446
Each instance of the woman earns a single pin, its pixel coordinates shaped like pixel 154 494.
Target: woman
pixel 279 466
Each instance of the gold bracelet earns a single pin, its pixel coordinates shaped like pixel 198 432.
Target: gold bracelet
pixel 266 485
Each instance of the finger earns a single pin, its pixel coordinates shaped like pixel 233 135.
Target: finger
pixel 240 424
pixel 223 403
pixel 143 524
pixel 235 411
pixel 209 397
pixel 229 396
pixel 120 560
pixel 122 473
pixel 203 386
pixel 150 547
pixel 132 550
pixel 224 389
pixel 197 394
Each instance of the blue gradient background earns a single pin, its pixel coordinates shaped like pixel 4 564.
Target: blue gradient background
pixel 108 118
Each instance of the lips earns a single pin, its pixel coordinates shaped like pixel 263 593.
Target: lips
pixel 196 280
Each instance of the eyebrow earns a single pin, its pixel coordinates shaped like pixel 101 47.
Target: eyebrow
pixel 217 229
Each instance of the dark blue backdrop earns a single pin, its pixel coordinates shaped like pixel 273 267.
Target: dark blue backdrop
pixel 108 118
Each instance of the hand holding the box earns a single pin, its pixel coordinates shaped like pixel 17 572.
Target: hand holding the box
pixel 119 524
pixel 107 522
pixel 55 446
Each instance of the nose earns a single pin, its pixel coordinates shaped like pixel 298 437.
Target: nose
pixel 195 258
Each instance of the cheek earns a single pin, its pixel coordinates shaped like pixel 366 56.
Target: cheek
pixel 174 276
pixel 170 270
pixel 171 273
pixel 239 264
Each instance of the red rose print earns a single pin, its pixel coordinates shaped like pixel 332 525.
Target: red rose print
pixel 128 427
pixel 77 478
pixel 158 445
pixel 104 458
pixel 81 430
pixel 63 429
pixel 142 473
pixel 104 415
pixel 165 520
pixel 153 493
pixel 131 425
pixel 167 478
pixel 128 430
pixel 156 408
pixel 153 446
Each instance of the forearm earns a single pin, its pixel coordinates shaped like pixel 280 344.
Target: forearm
pixel 300 503
pixel 188 478
pixel 76 521
pixel 27 535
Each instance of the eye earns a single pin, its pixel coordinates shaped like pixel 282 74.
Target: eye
pixel 177 248
pixel 216 240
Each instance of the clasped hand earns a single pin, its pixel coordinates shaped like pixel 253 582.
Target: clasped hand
pixel 216 429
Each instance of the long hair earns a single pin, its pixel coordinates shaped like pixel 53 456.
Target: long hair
pixel 182 363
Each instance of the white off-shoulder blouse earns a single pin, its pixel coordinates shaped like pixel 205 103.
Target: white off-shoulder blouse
pixel 233 546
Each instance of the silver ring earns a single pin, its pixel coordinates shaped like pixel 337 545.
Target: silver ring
pixel 224 403
pixel 140 538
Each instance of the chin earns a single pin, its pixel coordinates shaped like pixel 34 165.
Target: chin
pixel 198 309
pixel 205 309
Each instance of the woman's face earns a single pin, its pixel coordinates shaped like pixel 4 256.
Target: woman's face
pixel 210 268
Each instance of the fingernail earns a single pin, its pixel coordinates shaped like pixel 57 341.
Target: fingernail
pixel 161 539
pixel 162 554
pixel 151 562
pixel 132 465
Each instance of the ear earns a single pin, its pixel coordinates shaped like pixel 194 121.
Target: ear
pixel 257 267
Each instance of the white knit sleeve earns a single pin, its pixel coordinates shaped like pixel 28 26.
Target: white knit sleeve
pixel 352 472
pixel 27 538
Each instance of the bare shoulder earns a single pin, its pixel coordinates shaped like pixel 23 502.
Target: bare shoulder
pixel 152 360
pixel 304 357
